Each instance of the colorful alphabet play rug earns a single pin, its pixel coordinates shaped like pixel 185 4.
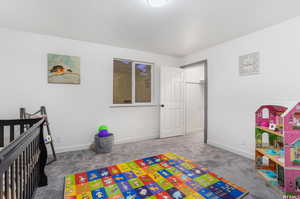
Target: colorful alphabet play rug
pixel 165 176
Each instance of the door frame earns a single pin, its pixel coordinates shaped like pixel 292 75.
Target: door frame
pixel 205 83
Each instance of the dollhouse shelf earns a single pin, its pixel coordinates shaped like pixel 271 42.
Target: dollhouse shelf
pixel 272 182
pixel 269 131
pixel 274 158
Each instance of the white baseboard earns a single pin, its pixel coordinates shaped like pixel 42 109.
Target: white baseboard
pixel 196 130
pixel 86 146
pixel 232 149
pixel 137 139
pixel 72 148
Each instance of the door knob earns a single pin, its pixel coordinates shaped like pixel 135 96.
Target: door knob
pixel 162 105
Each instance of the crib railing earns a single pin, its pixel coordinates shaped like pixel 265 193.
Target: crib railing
pixel 22 161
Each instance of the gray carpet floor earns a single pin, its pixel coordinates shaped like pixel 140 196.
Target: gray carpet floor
pixel 233 167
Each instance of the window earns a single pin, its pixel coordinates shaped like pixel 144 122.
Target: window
pixel 122 82
pixel 143 88
pixel 132 82
pixel 265 140
pixel 265 113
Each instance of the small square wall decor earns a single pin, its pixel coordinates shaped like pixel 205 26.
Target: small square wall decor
pixel 63 69
pixel 249 64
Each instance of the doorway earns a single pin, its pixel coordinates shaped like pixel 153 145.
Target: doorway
pixel 196 99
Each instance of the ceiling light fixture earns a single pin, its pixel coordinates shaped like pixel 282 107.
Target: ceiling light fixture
pixel 157 3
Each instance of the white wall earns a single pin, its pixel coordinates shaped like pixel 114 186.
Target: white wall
pixel 232 100
pixel 74 111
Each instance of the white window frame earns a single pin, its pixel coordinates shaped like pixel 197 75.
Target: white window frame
pixel 133 103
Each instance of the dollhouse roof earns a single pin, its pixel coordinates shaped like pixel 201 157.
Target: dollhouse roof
pixel 273 108
pixel 290 107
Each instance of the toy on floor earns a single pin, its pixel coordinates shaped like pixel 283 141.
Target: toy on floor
pixel 103 131
pixel 104 140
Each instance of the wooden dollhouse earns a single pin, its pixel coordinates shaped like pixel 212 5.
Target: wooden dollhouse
pixel 278 147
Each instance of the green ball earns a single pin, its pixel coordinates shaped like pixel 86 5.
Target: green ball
pixel 102 127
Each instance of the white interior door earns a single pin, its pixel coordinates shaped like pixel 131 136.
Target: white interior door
pixel 172 121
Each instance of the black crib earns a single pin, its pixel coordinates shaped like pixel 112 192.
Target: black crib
pixel 22 159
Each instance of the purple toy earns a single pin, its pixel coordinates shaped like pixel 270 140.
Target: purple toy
pixel 103 133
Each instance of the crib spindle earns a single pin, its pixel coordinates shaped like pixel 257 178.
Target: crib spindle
pixel 1 187
pixel 12 133
pixel 1 136
pixel 6 182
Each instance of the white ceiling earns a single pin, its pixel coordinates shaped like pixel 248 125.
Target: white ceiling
pixel 178 29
